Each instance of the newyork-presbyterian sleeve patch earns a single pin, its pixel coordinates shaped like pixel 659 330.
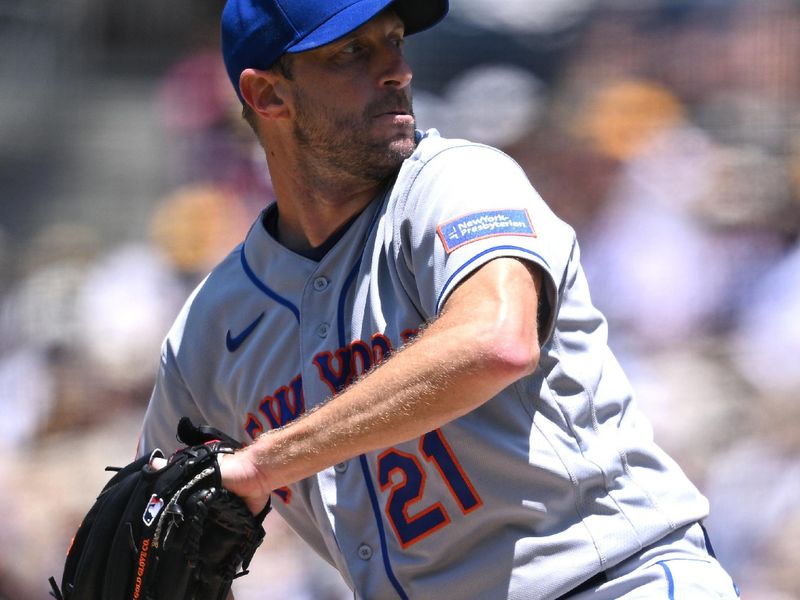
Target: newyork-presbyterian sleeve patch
pixel 477 226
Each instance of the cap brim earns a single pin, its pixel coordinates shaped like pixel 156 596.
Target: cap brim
pixel 417 15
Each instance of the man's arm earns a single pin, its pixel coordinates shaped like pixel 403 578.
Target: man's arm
pixel 485 339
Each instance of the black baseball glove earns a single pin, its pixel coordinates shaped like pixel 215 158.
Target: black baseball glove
pixel 164 534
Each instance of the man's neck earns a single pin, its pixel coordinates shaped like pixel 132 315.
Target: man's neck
pixel 311 210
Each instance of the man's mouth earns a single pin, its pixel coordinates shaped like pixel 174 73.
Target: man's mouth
pixel 393 105
pixel 398 112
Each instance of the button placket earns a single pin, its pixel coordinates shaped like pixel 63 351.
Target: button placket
pixel 365 552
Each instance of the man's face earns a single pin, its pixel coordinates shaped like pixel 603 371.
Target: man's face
pixel 352 101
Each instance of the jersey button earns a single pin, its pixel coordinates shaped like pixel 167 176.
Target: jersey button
pixel 323 330
pixel 321 284
pixel 364 552
pixel 340 467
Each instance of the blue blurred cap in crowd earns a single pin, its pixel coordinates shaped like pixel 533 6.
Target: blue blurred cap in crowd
pixel 255 33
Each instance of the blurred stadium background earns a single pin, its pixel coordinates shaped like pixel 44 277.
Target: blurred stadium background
pixel 667 132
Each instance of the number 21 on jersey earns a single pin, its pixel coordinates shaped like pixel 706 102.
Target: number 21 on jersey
pixel 404 476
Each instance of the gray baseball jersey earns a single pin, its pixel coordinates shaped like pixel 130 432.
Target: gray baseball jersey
pixel 554 479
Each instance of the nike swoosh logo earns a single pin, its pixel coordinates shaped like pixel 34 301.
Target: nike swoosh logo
pixel 232 343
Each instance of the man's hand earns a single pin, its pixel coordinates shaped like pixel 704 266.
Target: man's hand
pixel 242 477
pixel 239 476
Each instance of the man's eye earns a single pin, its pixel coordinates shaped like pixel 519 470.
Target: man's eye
pixel 352 49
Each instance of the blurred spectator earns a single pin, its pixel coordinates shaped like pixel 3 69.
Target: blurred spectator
pixel 40 335
pixel 129 299
pixel 622 118
pixel 763 49
pixel 693 398
pixel 753 488
pixel 198 111
pixel 652 267
pixel 521 16
pixel 196 226
pixel 195 94
pixel 780 569
pixel 751 189
pixel 39 309
pixel 574 178
pixel 207 138
pixel 766 345
pixel 55 482
pixel 513 93
pixel 27 396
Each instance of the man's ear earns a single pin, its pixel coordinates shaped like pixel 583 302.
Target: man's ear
pixel 263 92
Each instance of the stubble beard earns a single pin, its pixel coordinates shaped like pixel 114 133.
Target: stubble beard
pixel 336 143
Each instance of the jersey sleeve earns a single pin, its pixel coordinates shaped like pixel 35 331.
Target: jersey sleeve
pixel 466 205
pixel 170 400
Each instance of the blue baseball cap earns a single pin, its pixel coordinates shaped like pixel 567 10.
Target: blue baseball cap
pixel 256 33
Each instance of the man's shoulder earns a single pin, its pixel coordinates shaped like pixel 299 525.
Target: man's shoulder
pixel 448 152
pixel 430 142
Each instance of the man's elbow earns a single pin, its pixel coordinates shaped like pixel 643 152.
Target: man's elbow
pixel 512 356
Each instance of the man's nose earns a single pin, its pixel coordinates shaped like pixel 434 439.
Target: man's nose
pixel 396 72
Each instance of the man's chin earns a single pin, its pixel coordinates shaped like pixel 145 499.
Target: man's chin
pixel 402 146
pixel 386 159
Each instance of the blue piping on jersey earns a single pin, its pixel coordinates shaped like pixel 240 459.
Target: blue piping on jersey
pixel 343 300
pixel 349 281
pixel 373 496
pixel 263 287
pixel 670 580
pixel 707 539
pixel 476 257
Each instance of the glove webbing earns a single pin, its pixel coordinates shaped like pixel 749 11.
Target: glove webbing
pixel 170 509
